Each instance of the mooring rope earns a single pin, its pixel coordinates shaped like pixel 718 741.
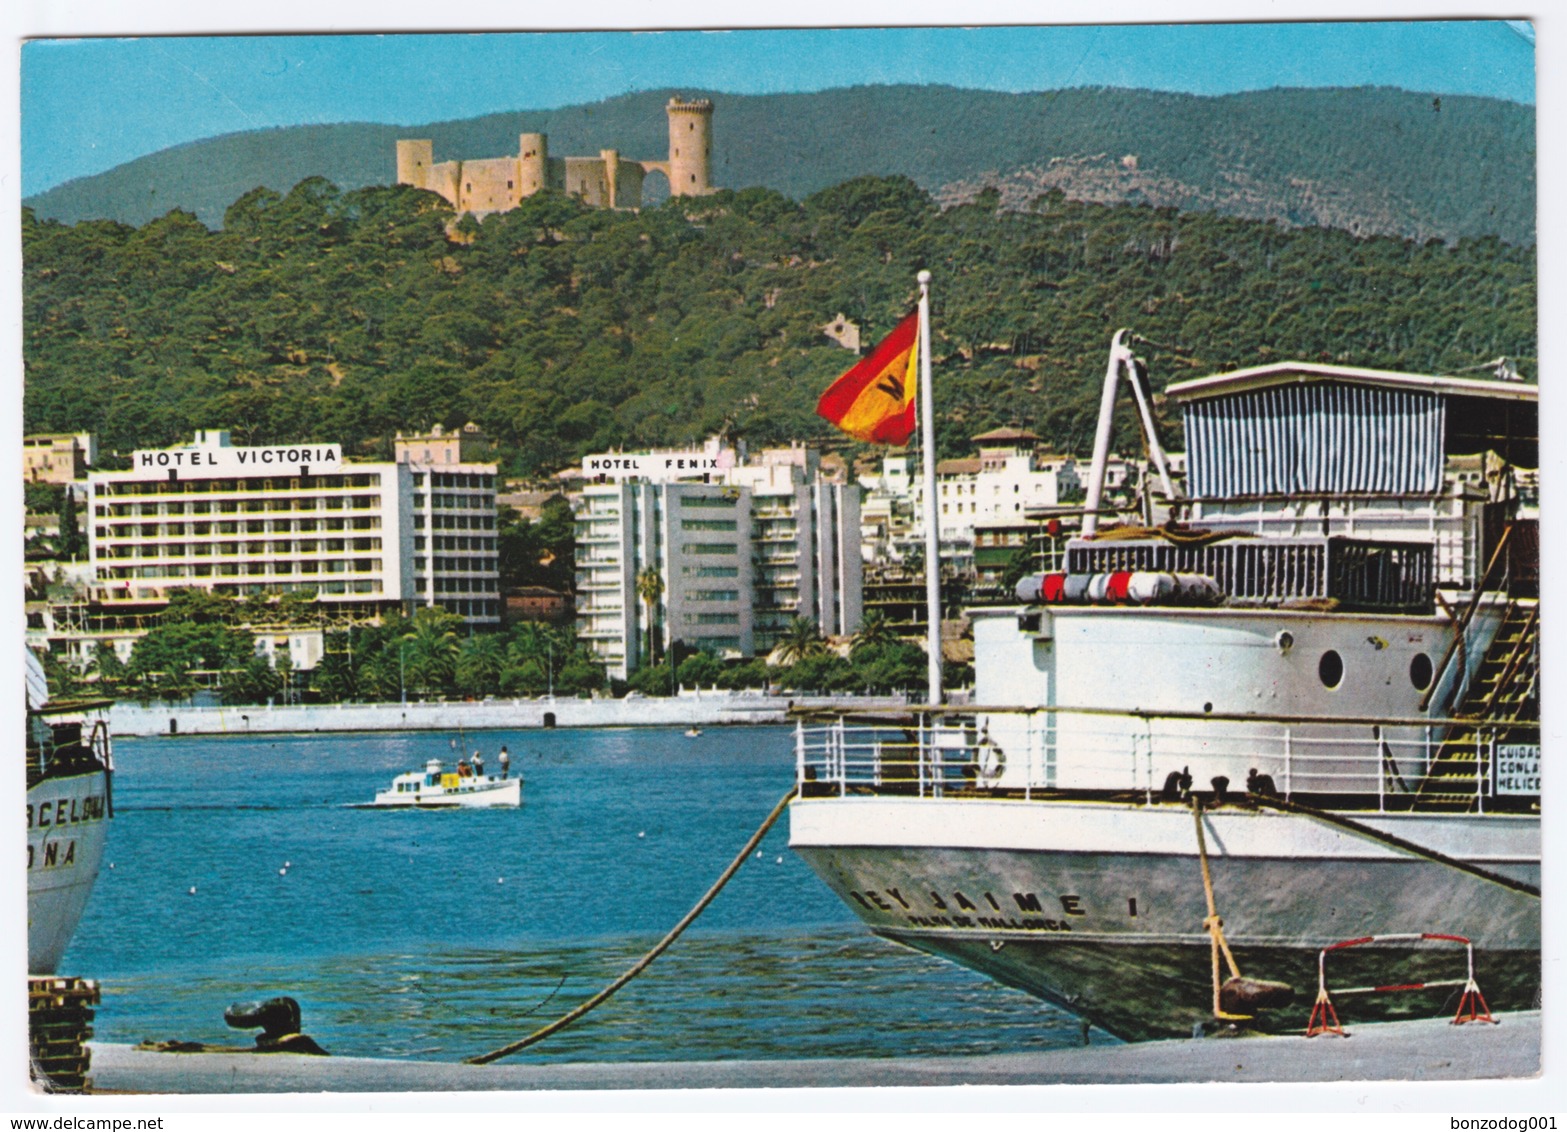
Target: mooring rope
pixel 658 949
pixel 1213 924
pixel 1399 843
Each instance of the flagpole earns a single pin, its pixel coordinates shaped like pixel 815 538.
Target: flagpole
pixel 932 529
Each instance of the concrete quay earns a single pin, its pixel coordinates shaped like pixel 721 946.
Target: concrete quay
pixel 711 708
pixel 1414 1051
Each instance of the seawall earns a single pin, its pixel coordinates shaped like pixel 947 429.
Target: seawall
pixel 689 709
pixel 1413 1052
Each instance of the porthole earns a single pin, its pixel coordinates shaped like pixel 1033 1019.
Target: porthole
pixel 1420 672
pixel 1331 669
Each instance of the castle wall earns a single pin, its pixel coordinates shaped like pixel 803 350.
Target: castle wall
pixel 443 180
pixel 611 159
pixel 497 184
pixel 585 178
pixel 488 185
pixel 628 184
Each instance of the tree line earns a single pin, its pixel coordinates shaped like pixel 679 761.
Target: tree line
pixel 332 316
pixel 208 642
pixel 205 642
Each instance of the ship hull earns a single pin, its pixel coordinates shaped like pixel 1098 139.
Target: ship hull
pixel 67 825
pixel 1161 990
pixel 1099 906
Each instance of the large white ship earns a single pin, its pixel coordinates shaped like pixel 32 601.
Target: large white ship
pixel 68 805
pixel 1316 685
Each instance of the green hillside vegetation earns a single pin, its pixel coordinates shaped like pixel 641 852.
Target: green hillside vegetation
pixel 1372 160
pixel 331 316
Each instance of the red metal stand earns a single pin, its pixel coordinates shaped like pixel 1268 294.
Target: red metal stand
pixel 1474 1002
pixel 1323 1009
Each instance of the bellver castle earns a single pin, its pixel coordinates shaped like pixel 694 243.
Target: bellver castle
pixel 495 184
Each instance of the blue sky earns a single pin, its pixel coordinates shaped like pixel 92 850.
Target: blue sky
pixel 91 104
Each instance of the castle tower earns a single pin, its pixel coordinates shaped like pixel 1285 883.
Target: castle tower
pixel 611 160
pixel 414 159
pixel 690 147
pixel 533 164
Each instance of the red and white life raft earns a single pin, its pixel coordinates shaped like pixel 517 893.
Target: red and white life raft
pixel 1120 587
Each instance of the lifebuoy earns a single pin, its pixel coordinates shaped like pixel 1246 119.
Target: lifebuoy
pixel 989 761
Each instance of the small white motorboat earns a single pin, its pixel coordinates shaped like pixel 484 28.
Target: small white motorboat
pixel 435 788
pixel 693 732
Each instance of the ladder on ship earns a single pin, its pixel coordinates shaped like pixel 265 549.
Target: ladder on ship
pixel 1504 691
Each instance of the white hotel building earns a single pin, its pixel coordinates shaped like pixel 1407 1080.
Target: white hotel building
pixel 366 537
pixel 992 491
pixel 741 549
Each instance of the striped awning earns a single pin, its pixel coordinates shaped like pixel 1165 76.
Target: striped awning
pixel 1318 438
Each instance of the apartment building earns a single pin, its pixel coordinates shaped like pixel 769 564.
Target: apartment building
pixel 456 562
pixel 740 549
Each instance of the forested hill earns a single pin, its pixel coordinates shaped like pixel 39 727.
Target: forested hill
pixel 342 317
pixel 1368 160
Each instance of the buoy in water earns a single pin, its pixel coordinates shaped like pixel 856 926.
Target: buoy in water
pixel 192 890
pixel 642 834
pixel 282 872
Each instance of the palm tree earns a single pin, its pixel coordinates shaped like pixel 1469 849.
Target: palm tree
pixel 800 640
pixel 527 642
pixel 875 630
pixel 650 588
pixel 480 661
pixel 107 666
pixel 428 651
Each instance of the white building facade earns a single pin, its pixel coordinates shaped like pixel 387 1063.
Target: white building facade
pixel 740 550
pixel 997 488
pixel 456 562
pixel 242 520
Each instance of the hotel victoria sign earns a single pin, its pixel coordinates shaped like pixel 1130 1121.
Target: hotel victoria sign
pixel 204 462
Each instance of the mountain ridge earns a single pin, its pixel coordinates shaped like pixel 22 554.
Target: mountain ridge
pixel 1369 160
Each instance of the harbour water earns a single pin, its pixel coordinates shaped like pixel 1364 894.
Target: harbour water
pixel 437 935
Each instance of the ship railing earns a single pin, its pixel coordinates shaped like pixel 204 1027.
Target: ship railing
pixel 1372 764
pixel 921 759
pixel 68 738
pixel 1363 574
pixel 1441 520
pixel 1461 633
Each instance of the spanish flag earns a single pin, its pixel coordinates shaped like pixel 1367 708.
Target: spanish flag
pixel 874 401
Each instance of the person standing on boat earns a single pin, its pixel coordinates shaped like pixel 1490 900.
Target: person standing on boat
pixel 505 762
pixel 478 765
